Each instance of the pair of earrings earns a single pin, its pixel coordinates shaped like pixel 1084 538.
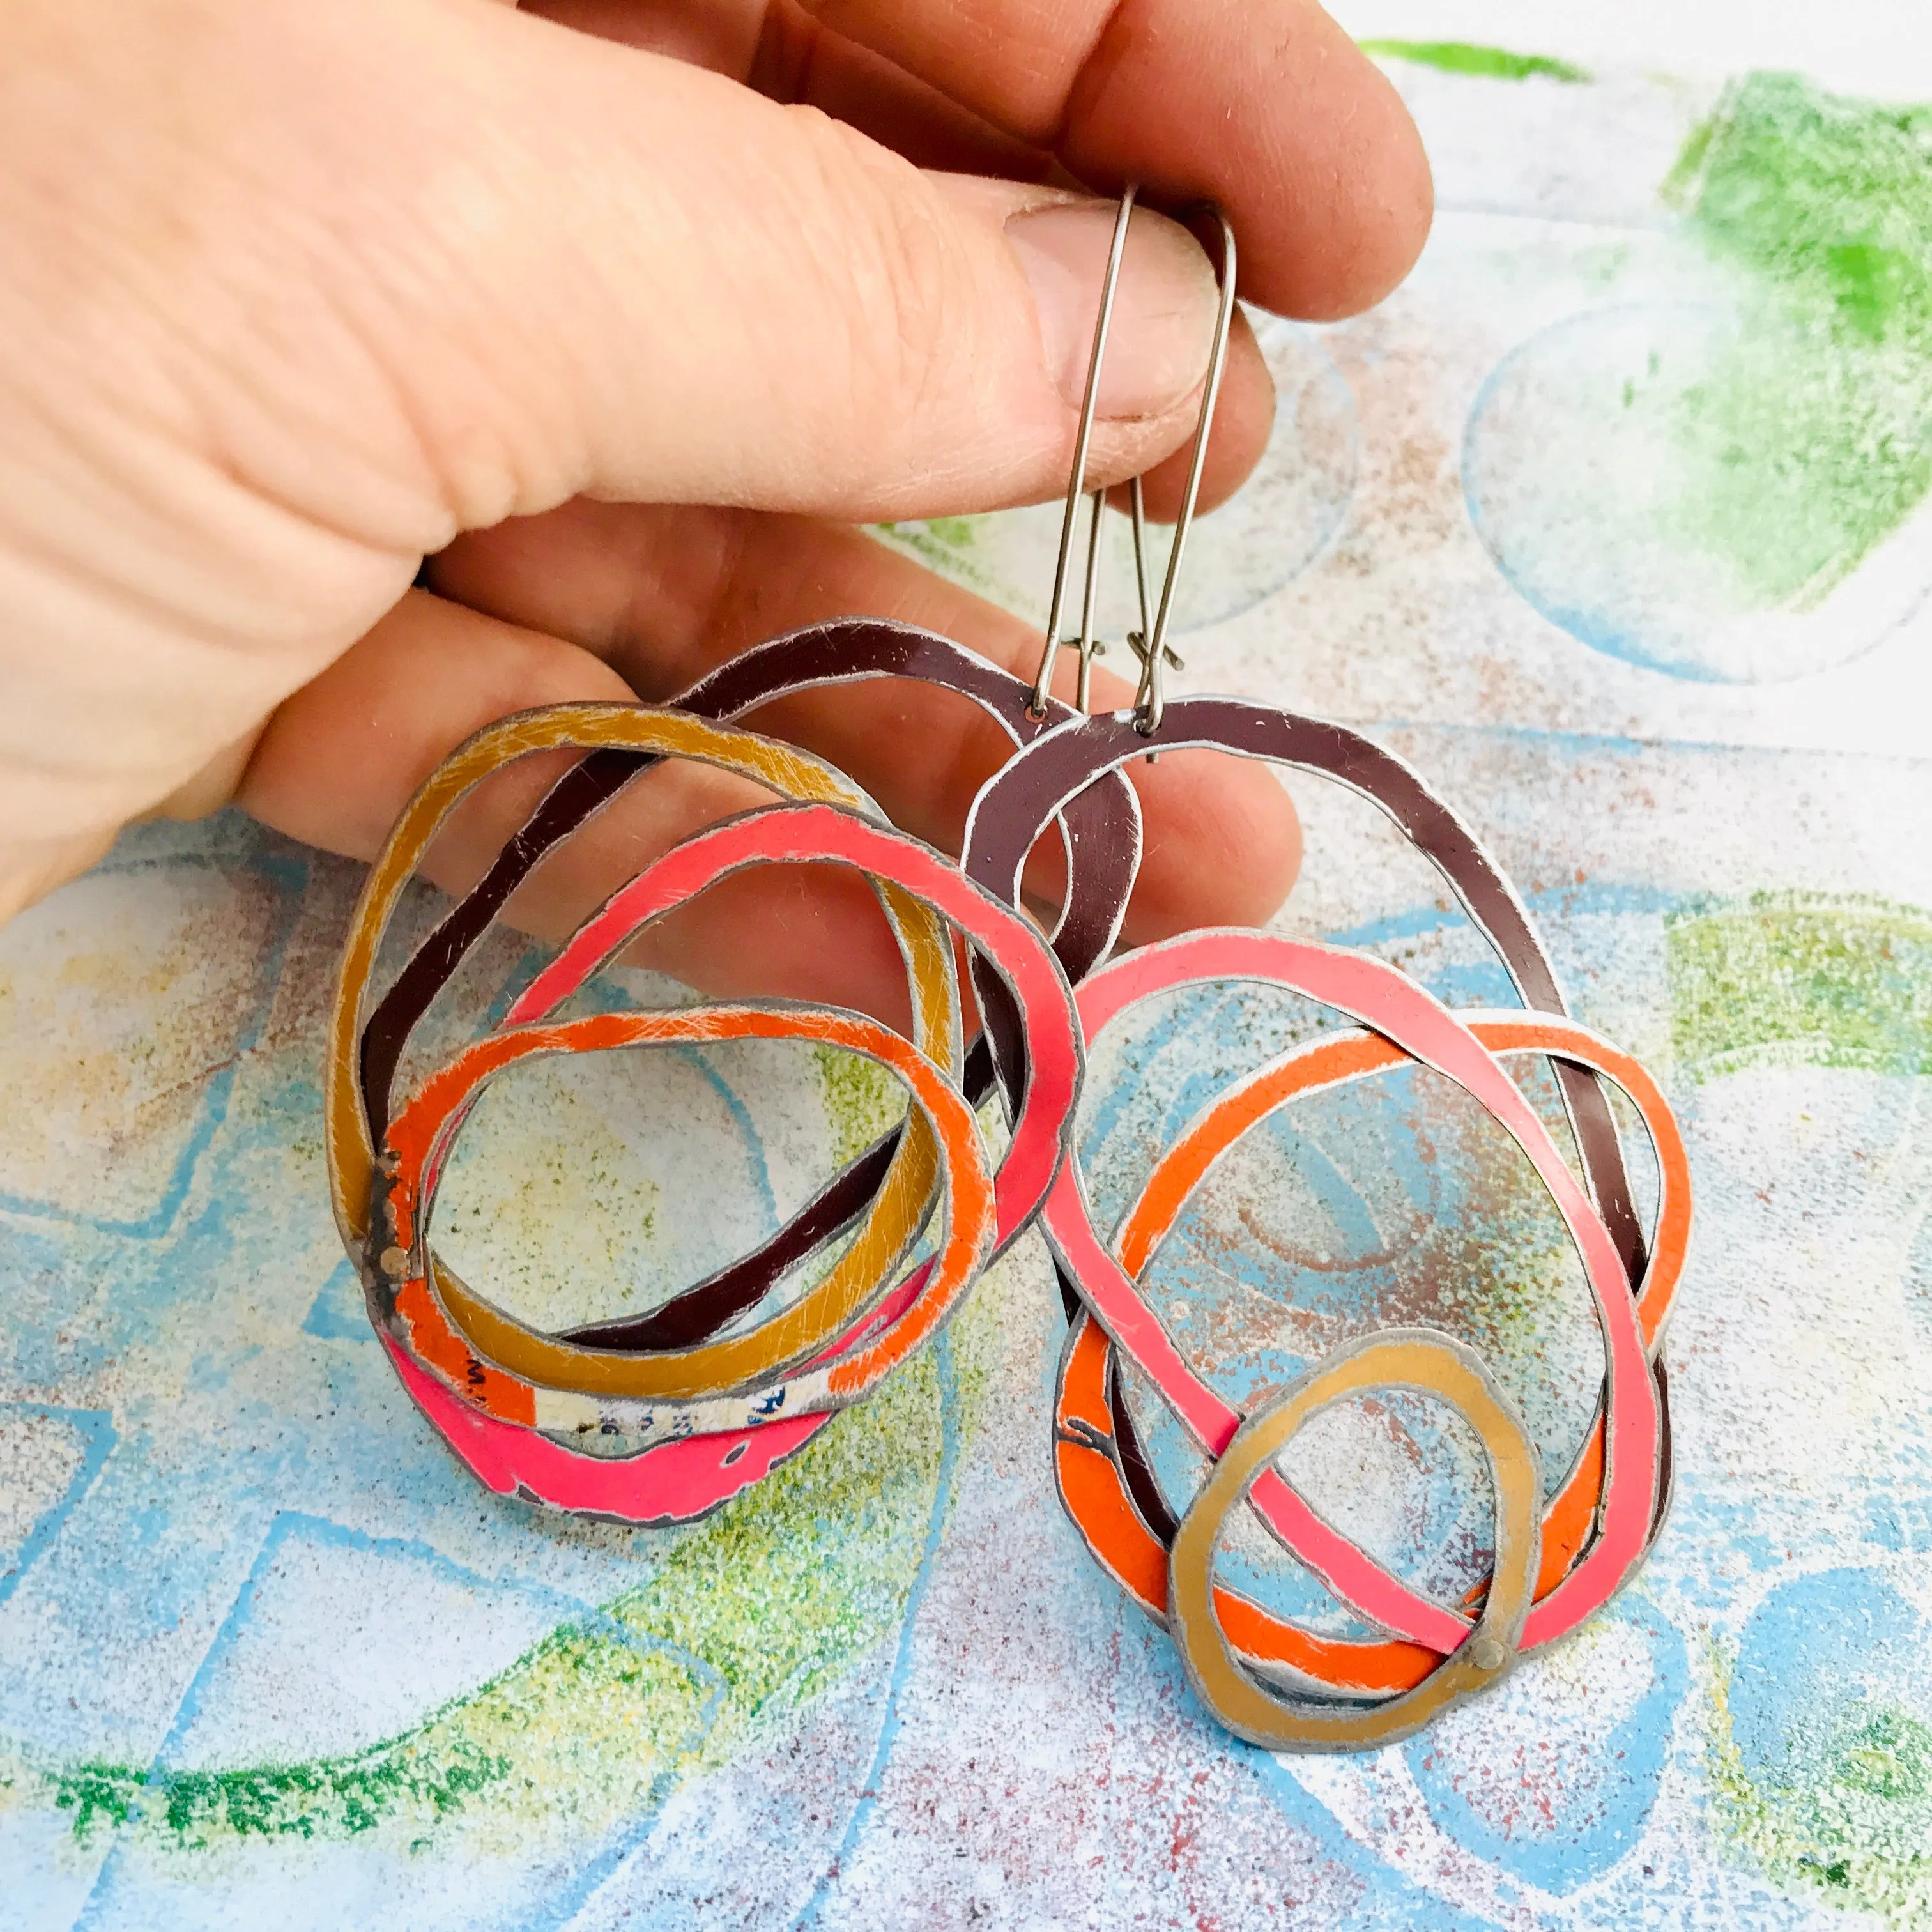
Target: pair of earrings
pixel 700 1407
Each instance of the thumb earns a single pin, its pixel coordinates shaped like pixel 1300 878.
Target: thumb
pixel 295 293
pixel 670 288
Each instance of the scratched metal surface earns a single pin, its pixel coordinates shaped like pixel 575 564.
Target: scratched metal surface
pixel 1609 520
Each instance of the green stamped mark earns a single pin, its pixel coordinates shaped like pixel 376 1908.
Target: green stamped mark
pixel 1809 440
pixel 1847 1817
pixel 1792 979
pixel 757 1611
pixel 1483 63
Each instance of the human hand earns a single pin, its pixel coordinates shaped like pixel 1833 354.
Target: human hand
pixel 294 296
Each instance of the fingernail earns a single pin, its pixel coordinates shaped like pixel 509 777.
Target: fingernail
pixel 1158 340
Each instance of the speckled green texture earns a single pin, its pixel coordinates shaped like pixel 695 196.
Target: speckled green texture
pixel 1809 439
pixel 1484 63
pixel 759 1609
pixel 1795 980
pixel 862 1100
pixel 1850 1817
pixel 1829 198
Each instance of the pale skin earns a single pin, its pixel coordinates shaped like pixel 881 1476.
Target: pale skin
pixel 624 312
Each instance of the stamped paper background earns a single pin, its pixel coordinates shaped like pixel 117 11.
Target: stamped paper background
pixel 1616 521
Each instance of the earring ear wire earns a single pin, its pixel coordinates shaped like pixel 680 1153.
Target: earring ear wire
pixel 1149 643
pixel 1076 485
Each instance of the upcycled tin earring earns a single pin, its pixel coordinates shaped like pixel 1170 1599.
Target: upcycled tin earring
pixel 1266 1678
pixel 712 1402
pixel 1101 837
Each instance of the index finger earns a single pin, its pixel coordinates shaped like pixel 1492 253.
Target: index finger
pixel 1265 106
